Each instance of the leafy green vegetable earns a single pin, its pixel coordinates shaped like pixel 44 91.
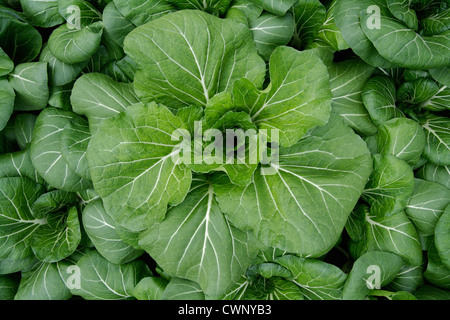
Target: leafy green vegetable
pixel 224 150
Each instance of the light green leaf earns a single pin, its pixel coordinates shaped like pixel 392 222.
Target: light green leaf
pixel 44 282
pixel 53 201
pixel 150 288
pixel 347 17
pixel 140 12
pixel 394 234
pixel 75 46
pixel 404 47
pixel 317 280
pixel 437 273
pixel 103 280
pixel 309 16
pixel 60 73
pixel 102 230
pixel 216 7
pixel 402 138
pixel 196 233
pixel 42 13
pixel 59 238
pixel 46 154
pixel 131 165
pixel 390 185
pixel 279 7
pixel 18 164
pixel 116 25
pixel 74 142
pixel 427 204
pixel 17 223
pixel 379 98
pixel 302 205
pixel 98 96
pixel 329 34
pixel 30 83
pixel 182 289
pixel 372 266
pixel 441 237
pixel 6 64
pixel 347 80
pixel 175 54
pixel 434 173
pixel 296 99
pixel 437 146
pixel 7 96
pixel 271 31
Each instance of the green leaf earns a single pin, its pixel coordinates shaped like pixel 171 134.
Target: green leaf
pixel 440 101
pixel 75 46
pixel 88 14
pixel 216 7
pixel 379 98
pixel 436 272
pixel 382 266
pixel 98 97
pixel 437 146
pixel 74 142
pixel 116 25
pixel 347 17
pixel 196 233
pixel 318 280
pixel 53 201
pixel 44 282
pixel 271 31
pixel 417 91
pixel 296 99
pixel 426 205
pixel 18 164
pixel 347 80
pixel 390 185
pixel 402 11
pixel 402 138
pixel 309 16
pixel 139 12
pixel 30 83
pixel 182 289
pixel 8 286
pixel 441 237
pixel 102 230
pixel 17 223
pixel 175 54
pixel 42 13
pixel 394 234
pixel 59 238
pixel 429 292
pixel 134 150
pixel 46 154
pixel 18 39
pixel 150 288
pixel 441 75
pixel 23 128
pixel 303 204
pixel 7 96
pixel 434 173
pixel 60 73
pixel 404 47
pixel 6 64
pixel 103 280
pixel 279 7
pixel 408 279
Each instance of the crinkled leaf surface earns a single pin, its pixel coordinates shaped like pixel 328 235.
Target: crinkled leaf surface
pixel 131 165
pixel 282 208
pixel 196 233
pixel 187 56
